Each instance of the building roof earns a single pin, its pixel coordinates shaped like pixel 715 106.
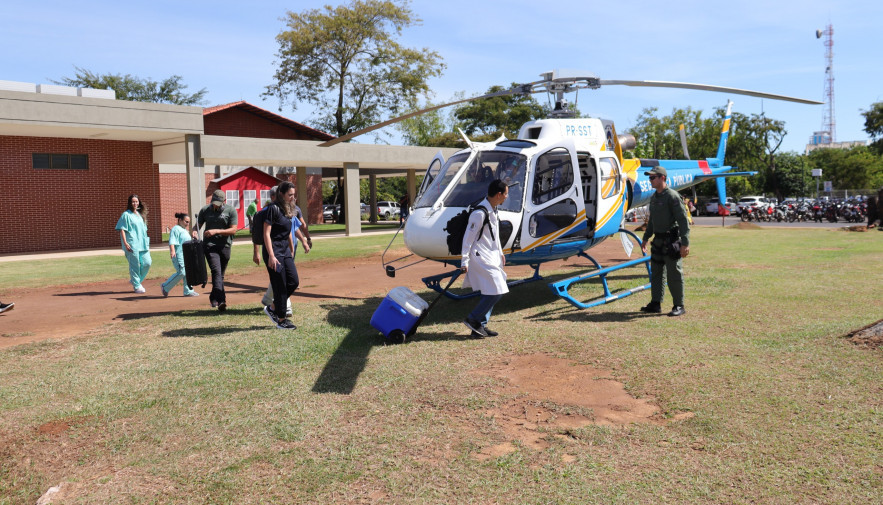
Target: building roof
pixel 251 172
pixel 243 105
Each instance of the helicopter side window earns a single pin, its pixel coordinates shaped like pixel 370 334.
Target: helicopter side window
pixel 441 180
pixel 553 177
pixel 553 218
pixel 611 182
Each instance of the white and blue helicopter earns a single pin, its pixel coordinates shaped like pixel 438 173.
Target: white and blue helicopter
pixel 569 186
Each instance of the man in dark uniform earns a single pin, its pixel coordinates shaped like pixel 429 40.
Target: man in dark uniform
pixel 668 225
pixel 220 221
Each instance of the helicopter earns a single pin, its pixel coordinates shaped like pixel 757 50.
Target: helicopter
pixel 569 186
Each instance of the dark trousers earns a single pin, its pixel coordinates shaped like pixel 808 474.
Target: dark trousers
pixel 217 262
pixel 284 281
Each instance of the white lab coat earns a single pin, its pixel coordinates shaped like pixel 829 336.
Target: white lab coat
pixel 482 255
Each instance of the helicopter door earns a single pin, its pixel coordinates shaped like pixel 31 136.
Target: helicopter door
pixel 554 201
pixel 609 200
pixel 588 174
pixel 437 162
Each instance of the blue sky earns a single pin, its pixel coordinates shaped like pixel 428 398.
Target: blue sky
pixel 229 48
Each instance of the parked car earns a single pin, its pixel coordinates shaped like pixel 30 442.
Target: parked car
pixel 388 210
pixel 328 212
pixel 751 201
pixel 711 206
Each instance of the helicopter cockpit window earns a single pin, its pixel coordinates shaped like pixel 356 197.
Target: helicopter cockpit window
pixel 553 177
pixel 610 180
pixel 472 185
pixel 430 175
pixel 441 180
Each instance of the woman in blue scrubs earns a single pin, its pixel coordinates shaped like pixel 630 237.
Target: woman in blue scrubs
pixel 136 244
pixel 178 236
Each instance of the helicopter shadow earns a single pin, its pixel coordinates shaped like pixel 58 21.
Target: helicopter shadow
pixel 342 370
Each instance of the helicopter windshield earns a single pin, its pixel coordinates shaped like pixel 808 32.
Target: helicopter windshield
pixel 471 187
pixel 441 180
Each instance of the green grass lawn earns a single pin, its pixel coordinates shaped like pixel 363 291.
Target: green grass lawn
pixel 66 271
pixel 197 407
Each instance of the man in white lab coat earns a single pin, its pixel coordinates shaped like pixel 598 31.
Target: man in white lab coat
pixel 483 260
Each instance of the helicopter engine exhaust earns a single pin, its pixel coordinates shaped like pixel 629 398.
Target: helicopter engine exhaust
pixel 626 142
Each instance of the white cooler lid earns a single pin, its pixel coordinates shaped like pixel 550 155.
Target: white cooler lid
pixel 408 300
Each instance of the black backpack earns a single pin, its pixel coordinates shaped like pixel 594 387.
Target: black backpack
pixel 456 228
pixel 257 226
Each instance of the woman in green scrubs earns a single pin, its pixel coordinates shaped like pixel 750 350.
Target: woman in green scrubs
pixel 136 244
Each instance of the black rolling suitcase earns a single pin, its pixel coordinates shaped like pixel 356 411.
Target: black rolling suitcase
pixel 194 263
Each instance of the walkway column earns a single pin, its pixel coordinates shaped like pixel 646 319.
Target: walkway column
pixel 303 197
pixel 372 198
pixel 412 185
pixel 195 176
pixel 351 196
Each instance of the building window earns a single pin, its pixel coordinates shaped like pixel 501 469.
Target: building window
pixel 45 161
pixel 233 198
pixel 265 197
pixel 248 196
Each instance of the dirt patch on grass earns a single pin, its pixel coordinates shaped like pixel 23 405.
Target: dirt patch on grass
pixel 871 336
pixel 552 397
pixel 746 226
pixel 859 228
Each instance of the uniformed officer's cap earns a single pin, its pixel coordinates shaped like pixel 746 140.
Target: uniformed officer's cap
pixel 657 171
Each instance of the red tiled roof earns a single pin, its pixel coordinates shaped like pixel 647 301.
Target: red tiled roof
pixel 242 104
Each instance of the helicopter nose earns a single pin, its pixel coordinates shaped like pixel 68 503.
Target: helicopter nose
pixel 425 233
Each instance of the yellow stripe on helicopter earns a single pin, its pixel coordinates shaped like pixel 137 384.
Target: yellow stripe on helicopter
pixel 601 222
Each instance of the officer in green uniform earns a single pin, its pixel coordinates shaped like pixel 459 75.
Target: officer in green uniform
pixel 221 222
pixel 668 224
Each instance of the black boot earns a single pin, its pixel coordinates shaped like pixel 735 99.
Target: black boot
pixel 652 308
pixel 677 310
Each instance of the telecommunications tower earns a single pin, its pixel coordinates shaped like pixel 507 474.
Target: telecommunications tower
pixel 829 124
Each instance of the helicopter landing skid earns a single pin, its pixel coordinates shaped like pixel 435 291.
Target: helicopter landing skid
pixel 433 282
pixel 561 287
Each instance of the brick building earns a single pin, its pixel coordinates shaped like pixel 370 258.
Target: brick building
pixel 241 119
pixel 69 163
pixel 70 158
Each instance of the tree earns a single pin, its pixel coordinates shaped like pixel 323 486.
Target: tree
pixel 874 125
pixel 482 120
pixel 346 62
pixel 500 115
pixel 753 144
pixel 658 138
pixel 856 168
pixel 135 89
pixel 421 130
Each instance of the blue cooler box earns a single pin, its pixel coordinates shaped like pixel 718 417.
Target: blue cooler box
pixel 400 311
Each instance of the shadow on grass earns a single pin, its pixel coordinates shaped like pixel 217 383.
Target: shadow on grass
pixel 207 312
pixel 342 370
pixel 212 331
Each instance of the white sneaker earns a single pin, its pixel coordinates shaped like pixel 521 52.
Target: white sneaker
pixel 192 293
pixel 6 306
pixel 140 289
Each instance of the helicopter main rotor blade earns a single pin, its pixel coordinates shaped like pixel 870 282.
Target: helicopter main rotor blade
pixel 518 90
pixel 708 87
